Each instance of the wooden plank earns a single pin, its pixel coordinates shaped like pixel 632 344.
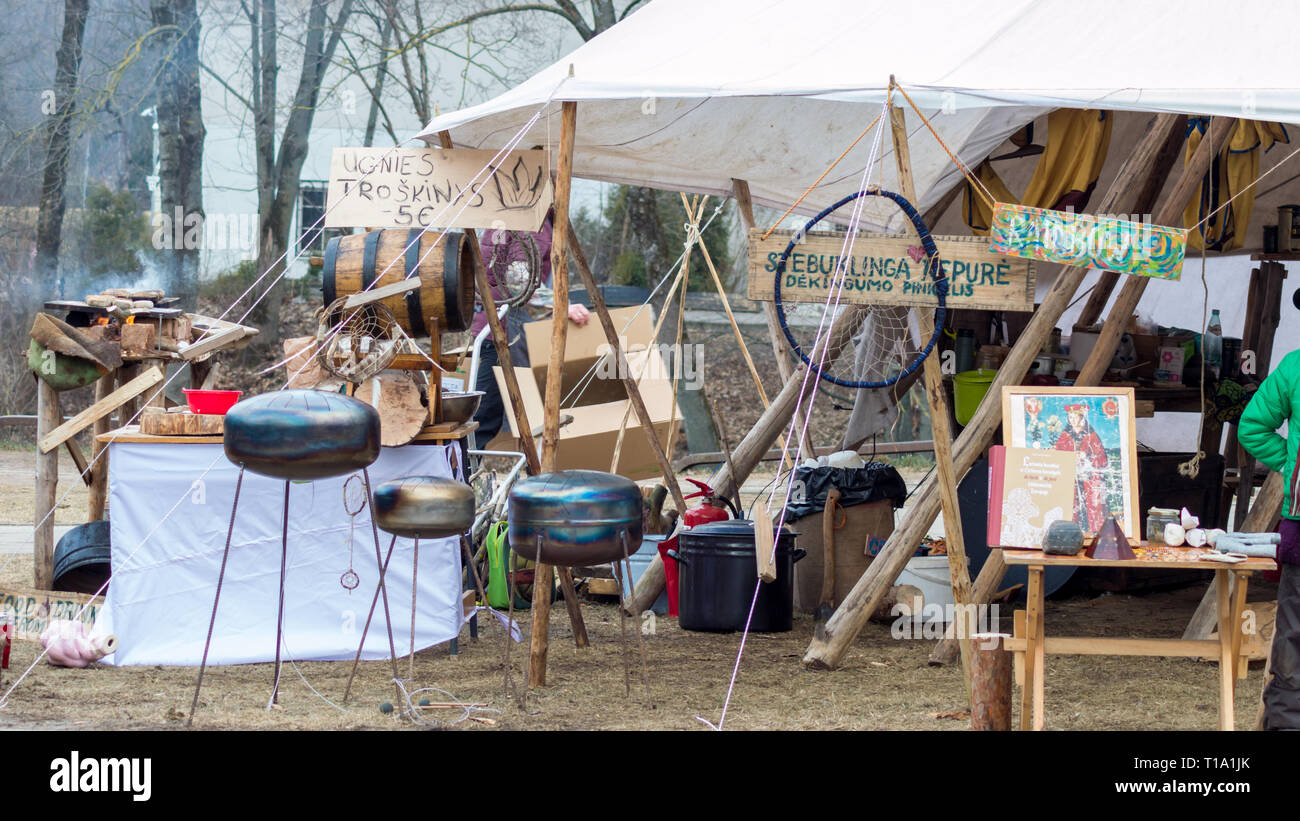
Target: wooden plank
pixel 1096 646
pixel 53 438
pixel 79 459
pixel 377 294
pixel 438 187
pixel 31 609
pixel 212 342
pixel 827 649
pixel 886 269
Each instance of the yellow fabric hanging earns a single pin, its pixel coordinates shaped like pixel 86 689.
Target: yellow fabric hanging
pixel 1077 141
pixel 1232 172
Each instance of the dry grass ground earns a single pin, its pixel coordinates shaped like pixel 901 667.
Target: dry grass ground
pixel 884 683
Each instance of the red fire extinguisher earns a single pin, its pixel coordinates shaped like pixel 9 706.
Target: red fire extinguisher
pixel 713 508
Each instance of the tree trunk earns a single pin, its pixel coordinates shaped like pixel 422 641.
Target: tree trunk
pixel 49 221
pixel 180 139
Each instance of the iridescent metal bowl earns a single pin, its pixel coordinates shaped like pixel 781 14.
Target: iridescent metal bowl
pixel 580 517
pixel 302 434
pixel 460 407
pixel 424 507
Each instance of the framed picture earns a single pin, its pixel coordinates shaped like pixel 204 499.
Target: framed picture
pixel 1099 426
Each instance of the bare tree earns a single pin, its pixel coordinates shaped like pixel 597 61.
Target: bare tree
pixel 49 223
pixel 180 134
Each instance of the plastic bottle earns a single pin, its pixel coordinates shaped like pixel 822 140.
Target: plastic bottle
pixel 1213 343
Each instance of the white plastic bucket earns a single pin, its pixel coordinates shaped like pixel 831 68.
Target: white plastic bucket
pixel 931 575
pixel 640 562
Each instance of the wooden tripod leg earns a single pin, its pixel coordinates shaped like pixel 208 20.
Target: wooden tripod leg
pixel 221 577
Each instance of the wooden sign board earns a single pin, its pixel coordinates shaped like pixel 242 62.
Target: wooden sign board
pixel 889 269
pixel 30 610
pixel 439 188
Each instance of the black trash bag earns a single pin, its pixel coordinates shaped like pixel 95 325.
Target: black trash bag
pixel 857 486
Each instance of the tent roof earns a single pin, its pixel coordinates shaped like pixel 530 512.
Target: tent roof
pixel 688 95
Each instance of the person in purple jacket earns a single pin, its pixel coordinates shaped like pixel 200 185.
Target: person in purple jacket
pixel 508 257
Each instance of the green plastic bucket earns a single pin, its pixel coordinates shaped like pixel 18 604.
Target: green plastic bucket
pixel 968 389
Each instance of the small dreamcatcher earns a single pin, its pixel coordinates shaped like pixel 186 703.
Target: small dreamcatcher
pixel 354 344
pixel 354 501
pixel 521 276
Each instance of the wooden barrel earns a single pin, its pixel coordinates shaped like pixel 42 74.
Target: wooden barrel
pixel 353 262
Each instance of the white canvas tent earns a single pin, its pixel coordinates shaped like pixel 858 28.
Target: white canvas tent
pixel 688 94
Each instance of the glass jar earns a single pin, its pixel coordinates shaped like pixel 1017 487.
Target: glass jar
pixel 1157 518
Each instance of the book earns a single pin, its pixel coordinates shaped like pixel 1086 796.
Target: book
pixel 1029 488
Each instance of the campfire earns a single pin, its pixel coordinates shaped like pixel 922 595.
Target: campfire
pixel 141 320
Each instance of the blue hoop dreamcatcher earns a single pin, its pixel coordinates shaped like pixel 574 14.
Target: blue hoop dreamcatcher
pixel 931 265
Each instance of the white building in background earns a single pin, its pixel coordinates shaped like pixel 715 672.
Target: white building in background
pixel 229 158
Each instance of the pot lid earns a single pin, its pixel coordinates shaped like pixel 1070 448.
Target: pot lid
pixel 738 528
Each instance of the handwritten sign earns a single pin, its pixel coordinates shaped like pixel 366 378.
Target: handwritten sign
pixel 889 269
pixel 433 187
pixel 30 610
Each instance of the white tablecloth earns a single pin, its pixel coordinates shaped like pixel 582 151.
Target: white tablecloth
pixel 168 523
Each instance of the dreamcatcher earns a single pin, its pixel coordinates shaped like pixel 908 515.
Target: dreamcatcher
pixel 888 340
pixel 355 344
pixel 521 277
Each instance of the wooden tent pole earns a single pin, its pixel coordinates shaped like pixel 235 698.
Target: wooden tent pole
pixel 542 577
pixel 826 650
pixel 1146 199
pixel 959 572
pixel 780 347
pixel 526 443
pixel 1170 213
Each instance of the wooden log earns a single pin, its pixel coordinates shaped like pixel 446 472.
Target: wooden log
pixel 937 398
pixel 51 439
pixel 909 596
pixel 828 648
pixel 540 640
pixel 1148 163
pixel 157 422
pixel 990 688
pixel 47 483
pixel 1170 213
pixel 98 458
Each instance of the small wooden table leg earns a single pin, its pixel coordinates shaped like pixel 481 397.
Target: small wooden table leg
pixel 1227 664
pixel 1036 635
pixel 1239 662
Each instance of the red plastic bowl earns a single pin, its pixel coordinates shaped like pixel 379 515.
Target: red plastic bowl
pixel 213 402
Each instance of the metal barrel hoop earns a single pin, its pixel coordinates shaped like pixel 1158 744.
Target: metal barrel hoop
pixel 932 265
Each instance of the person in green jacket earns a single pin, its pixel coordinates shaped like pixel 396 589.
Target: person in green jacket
pixel 1277 402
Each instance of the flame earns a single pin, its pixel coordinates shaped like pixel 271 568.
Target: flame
pixel 130 320
pixel 102 320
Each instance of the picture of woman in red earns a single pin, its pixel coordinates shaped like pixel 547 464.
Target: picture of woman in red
pixel 1089 482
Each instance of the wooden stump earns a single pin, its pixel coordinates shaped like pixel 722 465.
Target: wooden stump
pixel 990 687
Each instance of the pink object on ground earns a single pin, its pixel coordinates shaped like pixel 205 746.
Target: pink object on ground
pixel 69 646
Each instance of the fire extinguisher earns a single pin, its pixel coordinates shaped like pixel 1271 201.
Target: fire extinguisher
pixel 713 508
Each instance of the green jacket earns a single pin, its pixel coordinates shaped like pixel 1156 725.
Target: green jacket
pixel 1276 402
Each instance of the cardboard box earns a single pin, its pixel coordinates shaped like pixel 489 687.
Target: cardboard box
pixel 593 397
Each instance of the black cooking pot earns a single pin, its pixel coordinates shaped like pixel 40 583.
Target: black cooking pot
pixel 302 434
pixel 717 570
pixel 582 517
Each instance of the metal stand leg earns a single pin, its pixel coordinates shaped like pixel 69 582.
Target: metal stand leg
pixel 383 567
pixel 388 617
pixel 622 627
pixel 279 617
pixel 221 577
pixel 415 575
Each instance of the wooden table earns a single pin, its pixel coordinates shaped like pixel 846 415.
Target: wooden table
pixel 1031 645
